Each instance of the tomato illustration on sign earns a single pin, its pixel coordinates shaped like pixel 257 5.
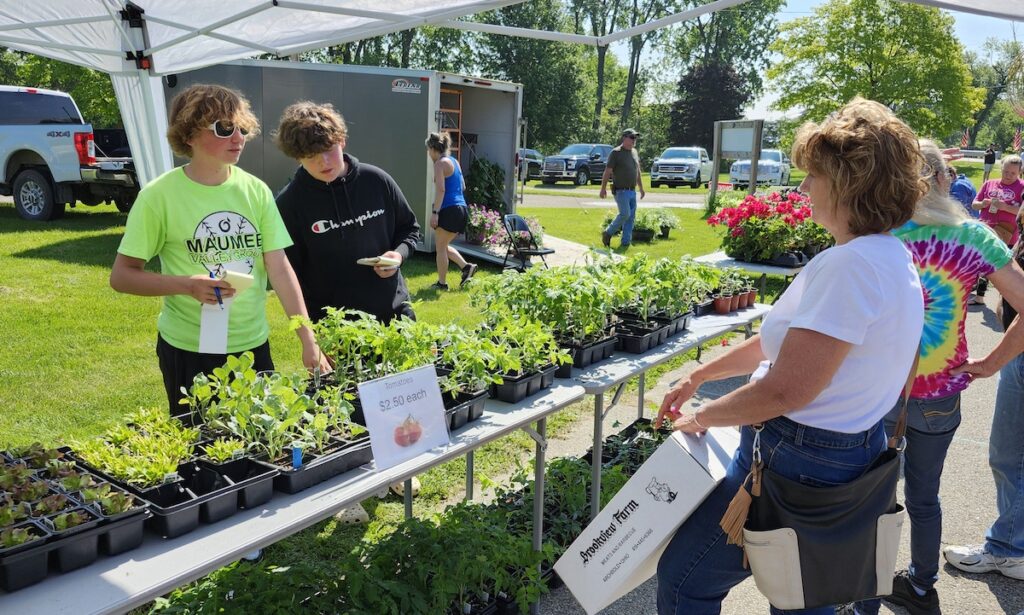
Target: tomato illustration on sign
pixel 408 432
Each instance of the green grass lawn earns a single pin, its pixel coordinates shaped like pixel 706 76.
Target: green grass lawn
pixel 583 225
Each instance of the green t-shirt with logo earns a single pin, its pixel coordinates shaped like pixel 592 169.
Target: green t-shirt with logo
pixel 624 163
pixel 197 229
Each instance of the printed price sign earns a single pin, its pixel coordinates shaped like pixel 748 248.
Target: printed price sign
pixel 404 415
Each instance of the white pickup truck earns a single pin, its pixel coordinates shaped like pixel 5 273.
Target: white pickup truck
pixel 48 157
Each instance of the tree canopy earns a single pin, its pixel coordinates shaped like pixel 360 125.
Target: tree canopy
pixel 902 55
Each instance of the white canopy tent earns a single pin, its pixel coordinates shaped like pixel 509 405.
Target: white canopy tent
pixel 137 42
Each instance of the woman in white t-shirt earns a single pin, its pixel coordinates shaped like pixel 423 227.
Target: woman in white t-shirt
pixel 839 343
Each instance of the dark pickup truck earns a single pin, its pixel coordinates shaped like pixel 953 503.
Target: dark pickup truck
pixel 581 163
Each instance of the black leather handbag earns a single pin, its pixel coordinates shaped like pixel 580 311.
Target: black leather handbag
pixel 817 546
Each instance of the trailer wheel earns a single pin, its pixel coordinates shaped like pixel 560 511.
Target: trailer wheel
pixel 34 198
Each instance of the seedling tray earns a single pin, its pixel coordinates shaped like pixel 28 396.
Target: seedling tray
pixel 350 454
pixel 513 390
pixel 25 564
pixel 584 356
pixel 178 506
pixel 255 481
pixel 465 407
pixel 704 308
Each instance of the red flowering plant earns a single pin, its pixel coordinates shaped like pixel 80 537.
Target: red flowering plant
pixel 761 228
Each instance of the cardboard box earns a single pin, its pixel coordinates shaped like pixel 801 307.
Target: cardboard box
pixel 619 550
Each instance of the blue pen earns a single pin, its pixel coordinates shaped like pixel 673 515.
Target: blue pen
pixel 216 291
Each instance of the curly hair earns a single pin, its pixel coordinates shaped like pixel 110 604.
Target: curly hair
pixel 871 162
pixel 198 106
pixel 307 129
pixel 440 142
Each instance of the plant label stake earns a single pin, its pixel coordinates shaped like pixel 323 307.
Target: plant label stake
pixel 296 456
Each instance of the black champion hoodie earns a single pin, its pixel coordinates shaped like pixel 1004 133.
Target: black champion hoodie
pixel 361 214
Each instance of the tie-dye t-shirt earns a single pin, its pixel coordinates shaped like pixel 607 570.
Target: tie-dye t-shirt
pixel 950 259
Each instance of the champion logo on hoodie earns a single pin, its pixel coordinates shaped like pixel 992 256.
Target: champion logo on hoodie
pixel 322 226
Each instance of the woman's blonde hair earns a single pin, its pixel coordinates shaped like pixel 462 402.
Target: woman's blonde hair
pixel 936 207
pixel 200 105
pixel 440 142
pixel 307 129
pixel 870 161
pixel 1012 159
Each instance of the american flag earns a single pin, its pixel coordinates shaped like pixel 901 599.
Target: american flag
pixel 1016 139
pixel 966 138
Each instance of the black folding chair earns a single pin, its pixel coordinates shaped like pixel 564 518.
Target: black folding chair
pixel 516 228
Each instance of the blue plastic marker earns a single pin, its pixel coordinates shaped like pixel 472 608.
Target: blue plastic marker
pixel 216 291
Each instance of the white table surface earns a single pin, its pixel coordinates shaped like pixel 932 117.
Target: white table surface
pixel 117 584
pixel 721 261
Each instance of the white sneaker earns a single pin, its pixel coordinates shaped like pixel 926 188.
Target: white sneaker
pixel 974 558
pixel 399 487
pixel 353 515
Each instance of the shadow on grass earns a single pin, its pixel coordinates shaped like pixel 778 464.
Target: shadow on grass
pixel 78 219
pixel 93 251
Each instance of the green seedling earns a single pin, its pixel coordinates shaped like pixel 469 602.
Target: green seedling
pixel 15 536
pixel 68 520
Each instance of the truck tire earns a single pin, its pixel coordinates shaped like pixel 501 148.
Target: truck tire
pixel 547 181
pixel 696 181
pixel 582 177
pixel 124 202
pixel 34 198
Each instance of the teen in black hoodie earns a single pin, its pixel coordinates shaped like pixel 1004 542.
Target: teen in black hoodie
pixel 338 210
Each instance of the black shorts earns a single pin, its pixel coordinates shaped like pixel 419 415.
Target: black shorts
pixel 179 367
pixel 453 218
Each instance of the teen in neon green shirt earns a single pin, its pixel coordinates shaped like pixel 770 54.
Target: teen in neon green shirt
pixel 200 218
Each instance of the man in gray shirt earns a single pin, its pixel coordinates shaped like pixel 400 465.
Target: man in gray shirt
pixel 623 169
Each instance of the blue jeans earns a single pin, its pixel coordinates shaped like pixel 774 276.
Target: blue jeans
pixel 1006 458
pixel 698 568
pixel 930 428
pixel 625 200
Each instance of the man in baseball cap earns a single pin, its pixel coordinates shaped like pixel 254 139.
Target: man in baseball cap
pixel 623 168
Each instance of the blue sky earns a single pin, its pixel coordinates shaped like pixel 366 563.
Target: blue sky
pixel 972 30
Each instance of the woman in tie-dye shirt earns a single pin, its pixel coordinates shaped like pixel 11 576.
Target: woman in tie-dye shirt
pixel 951 251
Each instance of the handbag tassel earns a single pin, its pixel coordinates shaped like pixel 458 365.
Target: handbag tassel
pixel 735 516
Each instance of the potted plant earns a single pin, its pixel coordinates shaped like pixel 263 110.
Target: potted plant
pixel 14 475
pixel 50 504
pixel 666 222
pixel 764 229
pixel 474 362
pixel 483 223
pixel 29 492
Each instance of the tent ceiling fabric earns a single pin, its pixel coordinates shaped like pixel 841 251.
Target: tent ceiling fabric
pixel 189 34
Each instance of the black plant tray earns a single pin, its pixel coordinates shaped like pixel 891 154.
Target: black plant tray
pixel 513 390
pixel 201 494
pixel 71 549
pixel 547 377
pixel 25 564
pixel 351 454
pixel 636 338
pixel 586 355
pixel 76 547
pixel 255 481
pixel 463 408
pixel 704 308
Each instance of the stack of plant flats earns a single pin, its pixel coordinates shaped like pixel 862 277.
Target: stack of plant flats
pixel 54 514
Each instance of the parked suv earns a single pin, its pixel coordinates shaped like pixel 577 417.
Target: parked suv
pixel 773 169
pixel 48 157
pixel 677 166
pixel 582 163
pixel 534 163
